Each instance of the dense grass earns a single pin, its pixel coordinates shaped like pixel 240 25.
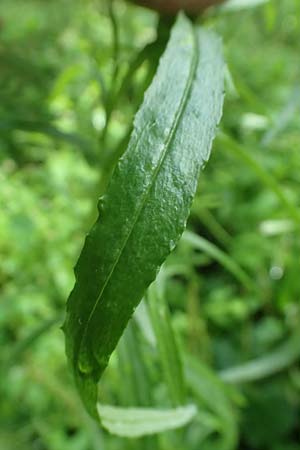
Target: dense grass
pixel 231 295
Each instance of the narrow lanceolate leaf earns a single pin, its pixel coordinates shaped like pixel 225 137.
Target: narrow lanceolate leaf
pixel 146 205
pixel 137 422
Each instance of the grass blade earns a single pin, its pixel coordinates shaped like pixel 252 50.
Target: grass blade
pixel 246 156
pixel 166 342
pixel 223 258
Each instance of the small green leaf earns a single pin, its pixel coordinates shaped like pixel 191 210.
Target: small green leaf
pixel 147 202
pixel 137 422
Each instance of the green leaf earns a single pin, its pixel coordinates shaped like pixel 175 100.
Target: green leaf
pixel 275 361
pixel 146 205
pixel 137 422
pixel 166 341
pixel 20 347
pixel 223 258
pixel 142 318
pixel 132 370
pixel 246 155
pixel 209 392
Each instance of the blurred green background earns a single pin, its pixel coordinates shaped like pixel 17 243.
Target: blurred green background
pixel 72 74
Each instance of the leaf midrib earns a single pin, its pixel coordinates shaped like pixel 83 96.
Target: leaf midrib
pixel 173 130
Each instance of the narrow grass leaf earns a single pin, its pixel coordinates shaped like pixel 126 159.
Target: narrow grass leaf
pixel 166 342
pixel 210 393
pixel 142 318
pixel 271 182
pixel 17 351
pixel 275 361
pixel 132 370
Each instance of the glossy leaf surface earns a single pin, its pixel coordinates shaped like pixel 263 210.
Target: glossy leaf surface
pixel 146 205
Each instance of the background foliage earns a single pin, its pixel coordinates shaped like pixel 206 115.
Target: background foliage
pixel 70 82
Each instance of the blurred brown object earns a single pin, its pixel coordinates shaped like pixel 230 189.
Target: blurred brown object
pixel 173 6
